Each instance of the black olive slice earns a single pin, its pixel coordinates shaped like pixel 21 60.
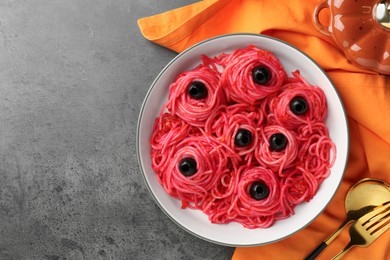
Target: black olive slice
pixel 261 75
pixel 187 166
pixel 259 190
pixel 278 142
pixel 298 105
pixel 243 137
pixel 197 90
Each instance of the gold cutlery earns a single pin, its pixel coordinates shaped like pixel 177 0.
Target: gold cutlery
pixel 368 228
pixel 362 198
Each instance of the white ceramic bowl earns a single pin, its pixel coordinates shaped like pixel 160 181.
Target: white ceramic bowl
pixel 195 221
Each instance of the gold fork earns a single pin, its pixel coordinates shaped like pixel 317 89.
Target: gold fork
pixel 368 228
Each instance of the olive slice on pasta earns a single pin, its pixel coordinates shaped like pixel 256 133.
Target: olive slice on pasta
pixel 259 190
pixel 197 90
pixel 278 142
pixel 298 105
pixel 243 138
pixel 187 166
pixel 261 75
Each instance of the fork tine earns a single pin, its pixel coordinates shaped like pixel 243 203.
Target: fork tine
pixel 384 225
pixel 377 210
pixel 377 218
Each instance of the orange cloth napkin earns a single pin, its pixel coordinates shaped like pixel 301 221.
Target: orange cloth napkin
pixel 365 94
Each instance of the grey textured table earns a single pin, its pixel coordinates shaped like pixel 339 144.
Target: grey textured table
pixel 73 75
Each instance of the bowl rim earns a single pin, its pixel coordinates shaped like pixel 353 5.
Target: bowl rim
pixel 142 112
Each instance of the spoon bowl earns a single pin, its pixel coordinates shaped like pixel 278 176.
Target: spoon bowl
pixel 367 192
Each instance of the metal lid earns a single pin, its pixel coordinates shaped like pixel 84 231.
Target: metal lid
pixel 382 14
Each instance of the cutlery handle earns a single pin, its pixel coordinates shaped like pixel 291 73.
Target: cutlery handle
pixel 345 250
pixel 327 241
pixel 316 251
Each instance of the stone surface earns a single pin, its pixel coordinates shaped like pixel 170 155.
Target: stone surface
pixel 73 75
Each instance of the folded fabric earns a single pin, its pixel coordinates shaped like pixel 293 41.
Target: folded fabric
pixel 365 94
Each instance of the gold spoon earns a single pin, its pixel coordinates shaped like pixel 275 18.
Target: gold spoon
pixel 361 199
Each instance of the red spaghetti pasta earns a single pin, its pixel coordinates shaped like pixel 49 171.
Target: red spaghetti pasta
pixel 317 152
pixel 285 153
pixel 252 213
pixel 241 141
pixel 219 206
pixel 210 162
pixel 236 125
pixel 195 95
pixel 251 74
pixel 298 186
pixel 298 104
pixel 168 131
